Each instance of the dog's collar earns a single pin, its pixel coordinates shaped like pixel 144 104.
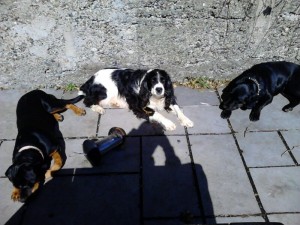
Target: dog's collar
pixel 257 84
pixel 31 147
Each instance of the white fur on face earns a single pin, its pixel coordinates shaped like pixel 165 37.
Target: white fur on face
pixel 159 86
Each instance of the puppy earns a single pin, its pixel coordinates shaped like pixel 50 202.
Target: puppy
pixel 256 87
pixel 38 141
pixel 144 92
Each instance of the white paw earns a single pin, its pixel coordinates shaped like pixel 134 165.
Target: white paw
pixel 186 122
pixel 169 125
pixel 98 109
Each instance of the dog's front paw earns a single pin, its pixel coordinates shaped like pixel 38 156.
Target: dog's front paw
pixel 254 116
pixel 58 117
pixel 16 194
pixel 169 125
pixel 186 122
pixel 287 108
pixel 48 175
pixel 98 109
pixel 225 114
pixel 81 112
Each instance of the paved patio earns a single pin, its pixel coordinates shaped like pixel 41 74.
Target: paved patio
pixel 218 172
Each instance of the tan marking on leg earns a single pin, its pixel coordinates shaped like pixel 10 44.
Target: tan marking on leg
pixel 35 187
pixel 78 111
pixel 57 164
pixel 16 194
pixel 58 117
pixel 58 110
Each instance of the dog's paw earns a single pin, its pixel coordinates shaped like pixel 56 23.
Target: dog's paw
pixel 81 112
pixel 225 114
pixel 48 175
pixel 98 109
pixel 186 122
pixel 58 117
pixel 16 195
pixel 169 125
pixel 254 116
pixel 287 109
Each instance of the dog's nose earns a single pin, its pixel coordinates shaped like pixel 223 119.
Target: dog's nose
pixel 158 90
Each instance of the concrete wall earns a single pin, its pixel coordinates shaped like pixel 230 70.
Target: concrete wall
pixel 52 43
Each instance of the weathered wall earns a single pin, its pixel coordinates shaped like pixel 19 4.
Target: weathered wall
pixel 53 43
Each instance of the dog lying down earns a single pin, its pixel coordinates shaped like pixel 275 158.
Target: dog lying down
pixel 256 87
pixel 39 140
pixel 144 92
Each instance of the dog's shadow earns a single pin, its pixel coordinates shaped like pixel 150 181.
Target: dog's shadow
pixel 164 186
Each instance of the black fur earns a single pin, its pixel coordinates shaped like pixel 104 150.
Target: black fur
pixel 256 87
pixel 94 93
pixel 36 127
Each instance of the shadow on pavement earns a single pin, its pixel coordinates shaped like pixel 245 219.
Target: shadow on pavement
pixel 165 189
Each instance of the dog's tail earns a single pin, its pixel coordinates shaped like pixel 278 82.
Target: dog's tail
pixel 73 100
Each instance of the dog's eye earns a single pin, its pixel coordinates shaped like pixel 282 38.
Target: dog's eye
pixel 154 79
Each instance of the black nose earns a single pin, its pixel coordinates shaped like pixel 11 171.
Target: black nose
pixel 158 90
pixel 221 106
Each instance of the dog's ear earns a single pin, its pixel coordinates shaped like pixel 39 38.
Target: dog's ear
pixel 11 172
pixel 169 92
pixel 144 93
pixel 240 92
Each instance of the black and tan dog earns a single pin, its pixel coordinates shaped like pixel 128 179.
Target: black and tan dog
pixel 256 87
pixel 39 140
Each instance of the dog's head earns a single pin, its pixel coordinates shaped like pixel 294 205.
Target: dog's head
pixel 158 83
pixel 238 96
pixel 24 176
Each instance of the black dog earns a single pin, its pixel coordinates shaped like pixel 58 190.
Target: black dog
pixel 38 141
pixel 256 87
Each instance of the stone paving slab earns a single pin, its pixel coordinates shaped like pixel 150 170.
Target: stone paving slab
pixel 9 100
pixel 206 119
pixel 79 126
pixel 6 149
pixel 293 141
pixel 188 97
pixel 222 172
pixel 267 151
pixel 278 189
pixel 285 218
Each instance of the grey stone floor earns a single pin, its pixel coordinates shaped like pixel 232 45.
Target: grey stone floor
pixel 218 172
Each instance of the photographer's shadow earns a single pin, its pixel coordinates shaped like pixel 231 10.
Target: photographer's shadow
pixel 173 187
pixel 165 186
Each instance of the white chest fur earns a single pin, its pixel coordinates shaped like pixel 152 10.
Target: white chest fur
pixel 157 104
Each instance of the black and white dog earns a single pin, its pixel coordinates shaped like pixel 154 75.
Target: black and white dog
pixel 144 92
pixel 256 87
